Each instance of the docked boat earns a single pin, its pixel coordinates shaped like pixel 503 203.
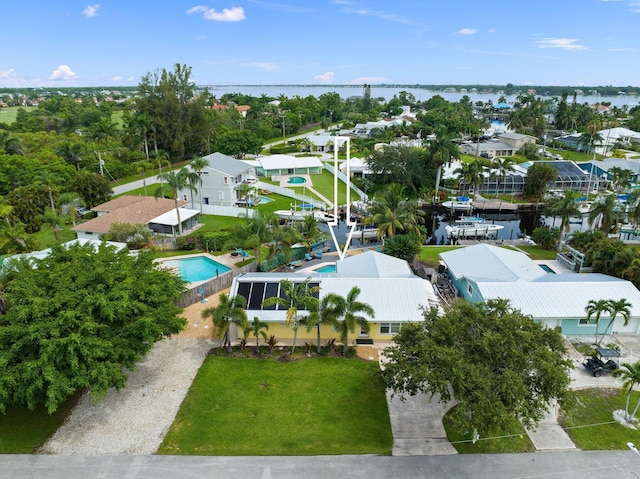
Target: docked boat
pixel 472 227
pixel 364 233
pixel 299 215
pixel 459 203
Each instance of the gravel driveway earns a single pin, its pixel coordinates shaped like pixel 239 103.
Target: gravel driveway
pixel 135 419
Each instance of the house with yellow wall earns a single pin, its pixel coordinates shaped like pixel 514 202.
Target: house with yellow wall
pixel 386 283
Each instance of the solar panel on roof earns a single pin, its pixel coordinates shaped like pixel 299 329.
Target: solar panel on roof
pixel 257 295
pixel 271 291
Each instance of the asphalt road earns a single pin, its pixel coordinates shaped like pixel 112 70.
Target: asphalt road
pixel 548 465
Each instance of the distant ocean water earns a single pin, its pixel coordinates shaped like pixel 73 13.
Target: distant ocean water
pixel 388 92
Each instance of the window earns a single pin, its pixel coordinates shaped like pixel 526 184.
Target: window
pixel 585 321
pixel 389 328
pixel 470 290
pixel 226 180
pixel 220 195
pixel 206 200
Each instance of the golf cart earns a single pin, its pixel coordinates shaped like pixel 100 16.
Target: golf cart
pixel 604 361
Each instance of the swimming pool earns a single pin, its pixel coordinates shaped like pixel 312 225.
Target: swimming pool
pixel 547 269
pixel 264 199
pixel 330 268
pixel 197 268
pixel 296 180
pixel 305 206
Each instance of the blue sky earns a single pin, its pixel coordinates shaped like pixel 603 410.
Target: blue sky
pixel 246 42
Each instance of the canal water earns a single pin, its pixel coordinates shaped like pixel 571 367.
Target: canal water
pixel 515 225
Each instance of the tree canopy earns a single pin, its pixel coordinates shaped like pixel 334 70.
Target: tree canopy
pixel 77 318
pixel 496 362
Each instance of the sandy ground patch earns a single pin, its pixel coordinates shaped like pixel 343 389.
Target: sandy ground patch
pixel 197 327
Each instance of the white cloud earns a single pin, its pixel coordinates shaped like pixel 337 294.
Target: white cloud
pixel 564 43
pixel 91 10
pixel 131 78
pixel 390 17
pixel 368 80
pixel 63 72
pixel 268 66
pixel 467 31
pixel 491 30
pixel 233 14
pixel 4 74
pixel 326 77
pixel 117 78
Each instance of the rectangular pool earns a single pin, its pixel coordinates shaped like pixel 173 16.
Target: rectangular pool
pixel 197 268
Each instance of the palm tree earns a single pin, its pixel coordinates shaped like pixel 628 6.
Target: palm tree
pixel 52 218
pixel 630 374
pixel 197 165
pixel 351 315
pixel 605 212
pixel 71 152
pixel 295 297
pixel 230 310
pixel 11 145
pixel 502 167
pixel 245 190
pixel 620 177
pixel 564 207
pixel 442 150
pixel 393 212
pixel 256 328
pixel 328 312
pixel 594 309
pixel 471 173
pixel 175 181
pixel 142 168
pixel 621 306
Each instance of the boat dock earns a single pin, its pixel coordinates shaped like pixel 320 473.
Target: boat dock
pixel 484 204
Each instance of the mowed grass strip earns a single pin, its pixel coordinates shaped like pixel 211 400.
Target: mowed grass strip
pixel 239 407
pixel 513 439
pixel 590 422
pixel 23 431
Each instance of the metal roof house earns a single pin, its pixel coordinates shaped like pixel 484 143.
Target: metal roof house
pixel 386 283
pixel 483 272
pixel 275 165
pixel 159 214
pixel 219 181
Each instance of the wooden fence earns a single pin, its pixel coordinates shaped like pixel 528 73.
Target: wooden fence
pixel 214 285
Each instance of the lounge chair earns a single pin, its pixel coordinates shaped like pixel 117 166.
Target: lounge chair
pixel 307 257
pixel 318 254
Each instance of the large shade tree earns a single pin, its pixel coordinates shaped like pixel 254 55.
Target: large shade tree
pixel 496 362
pixel 77 319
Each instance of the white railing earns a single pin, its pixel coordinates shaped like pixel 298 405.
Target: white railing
pixel 291 194
pixel 342 177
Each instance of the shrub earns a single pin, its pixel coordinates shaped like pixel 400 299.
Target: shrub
pixel 283 149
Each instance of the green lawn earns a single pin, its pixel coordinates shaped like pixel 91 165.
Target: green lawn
pixel 241 407
pixel 537 253
pixel 23 431
pixel 8 114
pixel 590 423
pixel 431 254
pixel 323 183
pixel 47 239
pixel 512 440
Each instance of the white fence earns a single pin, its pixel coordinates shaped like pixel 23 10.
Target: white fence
pixel 226 210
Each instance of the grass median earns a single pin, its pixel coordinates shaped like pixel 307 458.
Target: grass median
pixel 239 407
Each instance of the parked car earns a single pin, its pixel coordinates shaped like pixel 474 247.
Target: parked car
pixel 558 157
pixel 544 153
pixel 486 155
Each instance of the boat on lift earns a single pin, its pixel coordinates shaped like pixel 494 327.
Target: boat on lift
pixel 459 204
pixel 472 227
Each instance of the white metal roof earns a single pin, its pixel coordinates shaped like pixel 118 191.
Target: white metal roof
pixel 385 283
pixel 374 265
pixel 491 263
pixel 170 218
pixel 226 164
pixel 275 162
pixel 562 295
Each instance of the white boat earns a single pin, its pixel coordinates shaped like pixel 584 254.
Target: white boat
pixel 458 203
pixel 472 227
pixel 299 215
pixel 293 215
pixel 365 233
